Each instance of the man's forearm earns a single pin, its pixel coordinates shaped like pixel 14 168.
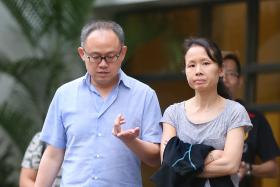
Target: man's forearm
pixel 46 174
pixel 148 152
pixel 266 169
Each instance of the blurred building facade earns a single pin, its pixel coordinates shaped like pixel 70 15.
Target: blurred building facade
pixel 155 30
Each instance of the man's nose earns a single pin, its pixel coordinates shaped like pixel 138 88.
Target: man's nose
pixel 103 62
pixel 224 78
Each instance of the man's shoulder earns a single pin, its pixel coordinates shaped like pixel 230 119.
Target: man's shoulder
pixel 257 118
pixel 76 81
pixel 73 84
pixel 253 113
pixel 137 85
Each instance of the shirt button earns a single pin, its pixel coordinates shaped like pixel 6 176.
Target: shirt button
pixel 97 156
pixel 99 134
pixel 95 178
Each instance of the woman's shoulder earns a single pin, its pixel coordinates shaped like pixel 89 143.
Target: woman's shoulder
pixel 174 109
pixel 234 105
pixel 234 108
pixel 175 106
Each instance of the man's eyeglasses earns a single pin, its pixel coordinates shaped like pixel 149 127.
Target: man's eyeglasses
pixel 112 58
pixel 232 74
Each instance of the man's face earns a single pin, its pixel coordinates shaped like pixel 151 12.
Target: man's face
pixel 104 44
pixel 231 77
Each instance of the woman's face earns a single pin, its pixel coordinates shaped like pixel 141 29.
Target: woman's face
pixel 202 73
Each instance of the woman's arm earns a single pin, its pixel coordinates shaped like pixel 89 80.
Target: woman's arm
pixel 229 161
pixel 27 177
pixel 213 155
pixel 49 166
pixel 168 131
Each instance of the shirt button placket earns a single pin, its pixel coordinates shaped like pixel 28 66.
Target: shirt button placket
pixel 97 156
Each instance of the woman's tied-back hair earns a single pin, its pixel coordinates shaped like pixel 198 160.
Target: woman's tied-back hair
pixel 102 25
pixel 214 53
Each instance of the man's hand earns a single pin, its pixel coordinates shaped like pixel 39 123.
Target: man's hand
pixel 242 170
pixel 127 135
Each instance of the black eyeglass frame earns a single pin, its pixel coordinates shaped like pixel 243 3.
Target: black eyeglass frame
pixel 108 59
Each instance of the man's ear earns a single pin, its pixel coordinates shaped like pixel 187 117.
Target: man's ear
pixel 124 50
pixel 221 72
pixel 81 53
pixel 240 81
pixel 123 53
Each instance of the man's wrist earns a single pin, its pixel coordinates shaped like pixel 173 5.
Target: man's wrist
pixel 248 169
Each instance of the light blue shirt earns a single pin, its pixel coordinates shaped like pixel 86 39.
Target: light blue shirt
pixel 80 121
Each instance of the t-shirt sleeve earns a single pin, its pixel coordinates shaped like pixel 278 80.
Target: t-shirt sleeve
pixel 239 117
pixel 169 116
pixel 33 153
pixel 267 147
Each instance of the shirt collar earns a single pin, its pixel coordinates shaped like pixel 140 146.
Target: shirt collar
pixel 124 79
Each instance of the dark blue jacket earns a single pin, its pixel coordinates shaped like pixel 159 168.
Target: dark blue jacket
pixel 182 162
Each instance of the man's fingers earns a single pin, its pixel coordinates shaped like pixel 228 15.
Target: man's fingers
pixel 117 124
pixel 117 120
pixel 129 133
pixel 136 131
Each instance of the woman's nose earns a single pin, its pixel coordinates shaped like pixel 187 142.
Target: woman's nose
pixel 198 70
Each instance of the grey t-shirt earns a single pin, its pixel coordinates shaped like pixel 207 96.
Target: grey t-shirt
pixel 212 133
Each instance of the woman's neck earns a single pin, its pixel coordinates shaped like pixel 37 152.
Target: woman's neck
pixel 206 100
pixel 204 107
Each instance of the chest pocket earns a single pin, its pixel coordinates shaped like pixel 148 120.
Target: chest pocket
pixel 80 125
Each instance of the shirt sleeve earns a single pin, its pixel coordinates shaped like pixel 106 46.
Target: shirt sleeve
pixel 33 153
pixel 53 131
pixel 151 130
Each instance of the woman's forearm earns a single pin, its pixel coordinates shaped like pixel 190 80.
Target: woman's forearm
pixel 220 167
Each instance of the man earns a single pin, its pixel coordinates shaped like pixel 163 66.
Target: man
pixel 79 127
pixel 260 141
pixel 30 163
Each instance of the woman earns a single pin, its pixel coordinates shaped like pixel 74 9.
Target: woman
pixel 208 118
